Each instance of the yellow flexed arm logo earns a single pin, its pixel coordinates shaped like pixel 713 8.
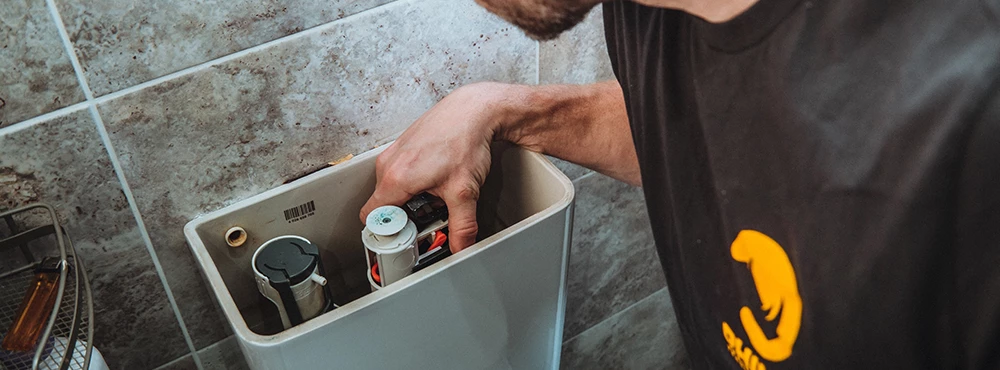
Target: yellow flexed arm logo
pixel 779 293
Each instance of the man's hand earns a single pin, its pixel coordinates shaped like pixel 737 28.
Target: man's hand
pixel 446 152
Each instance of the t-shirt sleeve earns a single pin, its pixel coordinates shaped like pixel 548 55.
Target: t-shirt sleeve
pixel 976 295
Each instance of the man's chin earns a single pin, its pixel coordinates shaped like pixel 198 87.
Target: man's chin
pixel 546 32
pixel 544 22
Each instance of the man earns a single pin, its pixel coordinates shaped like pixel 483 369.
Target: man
pixel 822 177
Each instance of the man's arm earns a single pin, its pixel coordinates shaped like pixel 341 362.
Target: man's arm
pixel 446 152
pixel 586 125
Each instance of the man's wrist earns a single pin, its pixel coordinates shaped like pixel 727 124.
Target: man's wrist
pixel 515 108
pixel 516 113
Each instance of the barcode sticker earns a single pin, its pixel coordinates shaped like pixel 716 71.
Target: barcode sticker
pixel 301 212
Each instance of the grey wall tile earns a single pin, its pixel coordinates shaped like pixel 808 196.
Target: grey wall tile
pixel 199 142
pixel 579 56
pixel 63 163
pixel 37 76
pixel 182 363
pixel 121 44
pixel 572 170
pixel 613 263
pixel 644 336
pixel 224 355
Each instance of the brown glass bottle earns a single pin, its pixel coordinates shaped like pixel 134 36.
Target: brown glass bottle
pixel 35 310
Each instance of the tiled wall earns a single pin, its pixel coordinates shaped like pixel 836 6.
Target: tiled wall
pixel 132 118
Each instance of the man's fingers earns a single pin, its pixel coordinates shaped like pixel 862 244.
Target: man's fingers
pixel 462 226
pixel 384 195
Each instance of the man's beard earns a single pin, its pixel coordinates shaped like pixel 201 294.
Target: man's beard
pixel 540 19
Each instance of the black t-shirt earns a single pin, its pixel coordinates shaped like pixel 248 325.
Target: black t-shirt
pixel 822 178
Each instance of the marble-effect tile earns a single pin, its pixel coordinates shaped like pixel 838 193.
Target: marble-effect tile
pixel 224 355
pixel 36 76
pixel 579 56
pixel 613 263
pixel 63 163
pixel 644 336
pixel 572 170
pixel 199 142
pixel 121 44
pixel 182 363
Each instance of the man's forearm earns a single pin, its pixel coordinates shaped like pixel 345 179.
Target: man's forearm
pixel 584 124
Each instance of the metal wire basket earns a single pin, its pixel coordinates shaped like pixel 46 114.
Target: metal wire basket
pixel 65 342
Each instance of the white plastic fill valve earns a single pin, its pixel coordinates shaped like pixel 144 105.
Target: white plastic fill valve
pixel 390 238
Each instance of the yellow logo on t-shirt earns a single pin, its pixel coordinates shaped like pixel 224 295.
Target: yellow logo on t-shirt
pixel 774 278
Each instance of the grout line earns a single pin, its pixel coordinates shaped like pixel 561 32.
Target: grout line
pixel 538 62
pixel 119 172
pixel 584 176
pixel 619 313
pixel 236 55
pixel 77 68
pixel 116 164
pixel 91 100
pixel 168 364
pixel 44 117
pixel 219 343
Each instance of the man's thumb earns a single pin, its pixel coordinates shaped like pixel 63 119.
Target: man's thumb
pixel 462 226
